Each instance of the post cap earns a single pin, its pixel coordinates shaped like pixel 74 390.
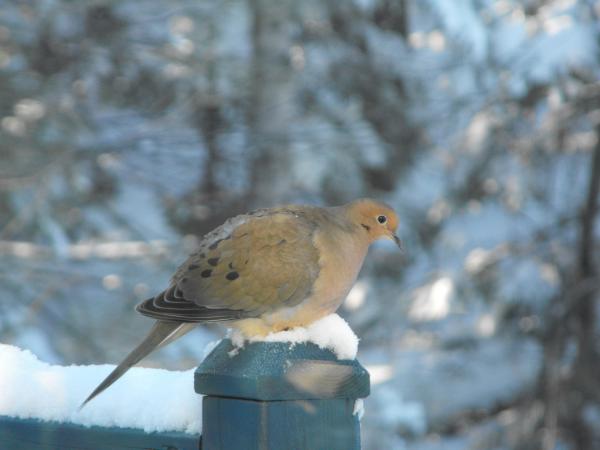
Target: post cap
pixel 279 371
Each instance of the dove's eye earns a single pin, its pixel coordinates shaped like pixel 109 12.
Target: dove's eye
pixel 381 219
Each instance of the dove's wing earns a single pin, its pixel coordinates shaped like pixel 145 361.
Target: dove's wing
pixel 264 262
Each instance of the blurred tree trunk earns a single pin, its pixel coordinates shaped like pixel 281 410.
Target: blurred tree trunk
pixel 567 393
pixel 585 373
pixel 208 121
pixel 269 111
pixel 585 311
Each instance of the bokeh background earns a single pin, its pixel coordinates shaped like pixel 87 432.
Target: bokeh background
pixel 130 128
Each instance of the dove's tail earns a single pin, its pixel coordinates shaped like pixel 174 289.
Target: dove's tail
pixel 161 334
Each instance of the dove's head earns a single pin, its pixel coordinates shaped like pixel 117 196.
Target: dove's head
pixel 376 219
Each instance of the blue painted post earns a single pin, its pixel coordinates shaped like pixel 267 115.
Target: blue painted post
pixel 274 396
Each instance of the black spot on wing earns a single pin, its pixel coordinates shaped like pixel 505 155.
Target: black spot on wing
pixel 213 261
pixel 206 273
pixel 232 276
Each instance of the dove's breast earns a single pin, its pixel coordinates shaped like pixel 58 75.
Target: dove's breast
pixel 340 261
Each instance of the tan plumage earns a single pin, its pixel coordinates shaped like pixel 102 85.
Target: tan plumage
pixel 266 271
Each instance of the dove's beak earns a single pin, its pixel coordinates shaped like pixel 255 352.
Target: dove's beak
pixel 398 242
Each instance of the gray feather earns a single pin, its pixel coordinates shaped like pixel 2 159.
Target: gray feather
pixel 161 334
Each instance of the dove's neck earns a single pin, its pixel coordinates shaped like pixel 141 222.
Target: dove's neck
pixel 342 253
pixel 355 234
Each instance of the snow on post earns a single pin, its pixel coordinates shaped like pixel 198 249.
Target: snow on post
pixel 293 389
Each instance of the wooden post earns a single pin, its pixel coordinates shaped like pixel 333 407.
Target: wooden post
pixel 275 395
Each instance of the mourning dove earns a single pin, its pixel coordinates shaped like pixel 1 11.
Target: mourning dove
pixel 266 271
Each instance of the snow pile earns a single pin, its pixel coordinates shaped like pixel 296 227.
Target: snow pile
pixel 331 332
pixel 150 399
pixel 359 408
